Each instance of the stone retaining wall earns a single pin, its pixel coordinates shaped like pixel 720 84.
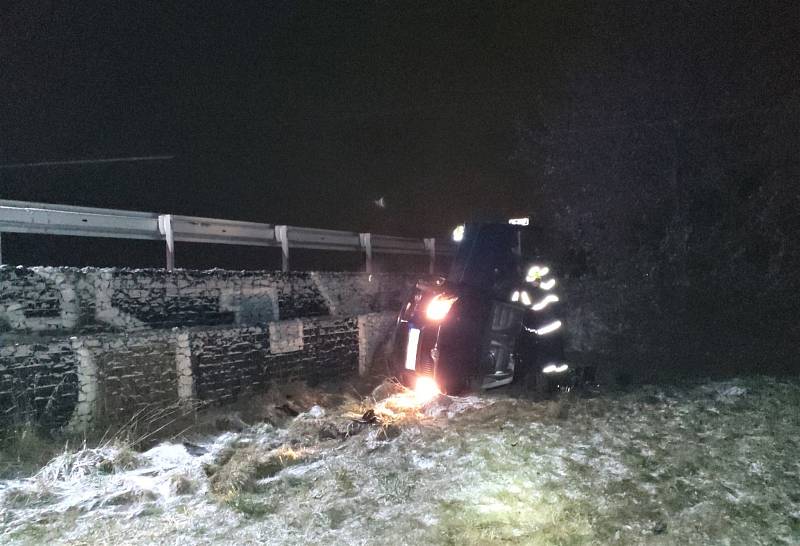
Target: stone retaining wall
pixel 81 347
pixel 68 300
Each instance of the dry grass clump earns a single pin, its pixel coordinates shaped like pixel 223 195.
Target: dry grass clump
pixel 148 425
pixel 72 466
pixel 241 469
pixel 236 473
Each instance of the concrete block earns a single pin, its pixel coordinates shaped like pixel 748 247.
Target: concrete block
pixel 285 336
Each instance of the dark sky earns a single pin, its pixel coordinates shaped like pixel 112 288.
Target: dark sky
pixel 303 113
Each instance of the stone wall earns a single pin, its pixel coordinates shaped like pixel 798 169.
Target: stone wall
pixel 88 346
pixel 68 300
pixel 38 382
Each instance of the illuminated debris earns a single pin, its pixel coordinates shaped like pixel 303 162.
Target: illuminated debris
pixel 406 407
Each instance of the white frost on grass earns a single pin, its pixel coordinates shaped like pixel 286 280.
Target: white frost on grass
pixel 731 392
pixel 714 463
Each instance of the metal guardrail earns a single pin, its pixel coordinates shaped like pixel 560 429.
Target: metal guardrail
pixel 48 219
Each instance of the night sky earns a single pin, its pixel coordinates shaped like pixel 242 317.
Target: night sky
pixel 304 113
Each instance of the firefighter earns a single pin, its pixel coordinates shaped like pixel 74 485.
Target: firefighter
pixel 541 339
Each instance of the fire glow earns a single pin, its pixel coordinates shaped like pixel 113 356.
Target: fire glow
pixel 425 389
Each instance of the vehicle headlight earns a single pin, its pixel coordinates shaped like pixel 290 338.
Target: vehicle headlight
pixel 439 306
pixel 555 368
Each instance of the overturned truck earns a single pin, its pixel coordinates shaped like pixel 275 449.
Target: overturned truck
pixel 494 320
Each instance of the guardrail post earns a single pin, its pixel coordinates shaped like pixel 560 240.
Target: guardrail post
pixel 430 246
pixel 366 243
pixel 282 235
pixel 165 227
pixel 1 248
